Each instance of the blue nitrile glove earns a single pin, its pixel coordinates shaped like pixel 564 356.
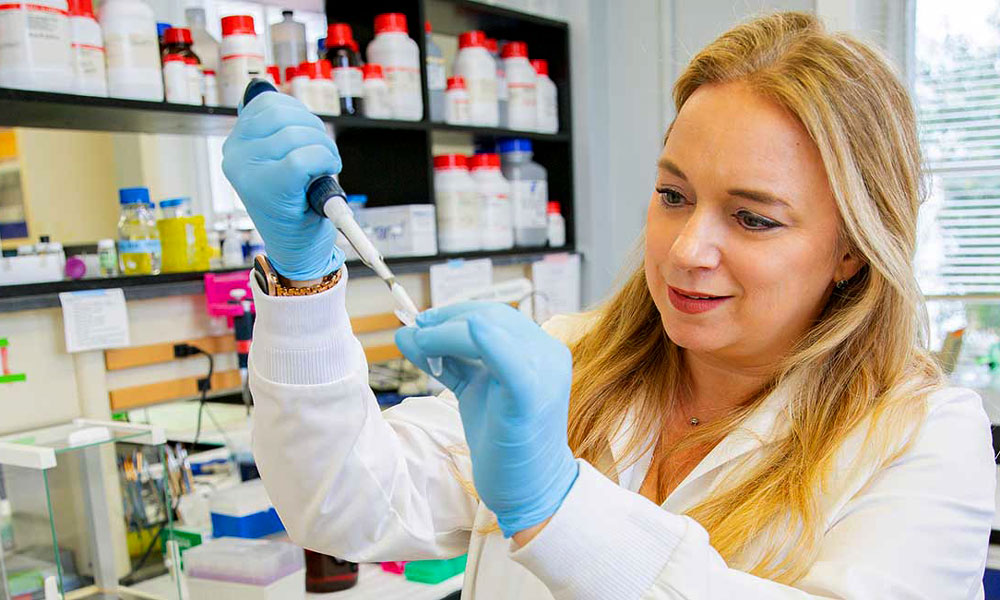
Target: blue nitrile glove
pixel 512 381
pixel 273 152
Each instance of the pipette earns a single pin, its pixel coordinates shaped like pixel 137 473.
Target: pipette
pixel 327 198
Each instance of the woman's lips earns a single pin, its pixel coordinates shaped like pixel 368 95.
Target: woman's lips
pixel 693 302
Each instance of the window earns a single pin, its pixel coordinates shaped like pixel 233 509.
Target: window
pixel 957 93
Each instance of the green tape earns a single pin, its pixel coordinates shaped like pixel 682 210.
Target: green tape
pixel 3 342
pixel 12 378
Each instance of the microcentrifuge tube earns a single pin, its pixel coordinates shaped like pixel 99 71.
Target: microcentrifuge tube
pixel 434 362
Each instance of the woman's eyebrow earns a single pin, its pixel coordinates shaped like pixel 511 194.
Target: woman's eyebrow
pixel 666 164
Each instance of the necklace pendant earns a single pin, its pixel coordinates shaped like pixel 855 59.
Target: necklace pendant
pixel 694 421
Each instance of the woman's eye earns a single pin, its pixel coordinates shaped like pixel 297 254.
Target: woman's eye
pixel 754 222
pixel 671 198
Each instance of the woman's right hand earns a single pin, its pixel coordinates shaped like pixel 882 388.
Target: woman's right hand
pixel 275 149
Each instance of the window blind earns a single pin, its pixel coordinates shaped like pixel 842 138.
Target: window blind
pixel 957 93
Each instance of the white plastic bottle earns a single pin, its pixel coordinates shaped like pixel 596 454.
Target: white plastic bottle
pixel 211 93
pixel 288 40
pixel 35 47
pixel 457 205
pixel 474 63
pixel 529 191
pixel 90 76
pixel 205 46
pixel 194 79
pixel 133 50
pixel 497 225
pixel 175 79
pixel 456 102
pixel 400 59
pixel 521 86
pixel 299 84
pixel 547 100
pixel 241 58
pixel 502 95
pixel 330 93
pixel 557 226
pixel 377 103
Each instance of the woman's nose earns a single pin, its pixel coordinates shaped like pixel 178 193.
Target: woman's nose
pixel 698 244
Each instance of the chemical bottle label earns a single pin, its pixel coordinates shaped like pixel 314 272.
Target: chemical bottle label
pixel 530 202
pixel 377 103
pixel 132 50
pixel 350 82
pixel 436 79
pixel 498 221
pixel 521 110
pixel 194 83
pixel 175 82
pixel 45 43
pixel 404 90
pixel 235 72
pixel 138 256
pixel 89 61
pixel 458 213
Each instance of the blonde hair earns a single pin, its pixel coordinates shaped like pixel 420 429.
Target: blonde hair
pixel 861 365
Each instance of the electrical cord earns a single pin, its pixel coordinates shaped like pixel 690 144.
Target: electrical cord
pixel 204 384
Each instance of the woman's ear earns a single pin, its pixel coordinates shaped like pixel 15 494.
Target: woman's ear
pixel 847 266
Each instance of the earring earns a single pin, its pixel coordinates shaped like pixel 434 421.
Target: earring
pixel 841 284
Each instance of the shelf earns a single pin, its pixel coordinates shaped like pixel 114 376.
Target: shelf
pixel 498 132
pixel 34 296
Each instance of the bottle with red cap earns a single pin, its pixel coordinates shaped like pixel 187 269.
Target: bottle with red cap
pixel 400 59
pixel 347 72
pixel 177 40
pixel 241 58
pixel 436 78
pixel 474 63
pixel 522 87
pixel 493 190
pixel 328 89
pixel 132 50
pixel 273 74
pixel 175 79
pixel 89 75
pixel 457 205
pixel 378 105
pixel 320 95
pixel 557 226
pixel 546 99
pixel 35 46
pixel 297 83
pixel 288 40
pixel 456 103
pixel 211 87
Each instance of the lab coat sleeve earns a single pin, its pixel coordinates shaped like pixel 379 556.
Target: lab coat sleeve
pixel 918 530
pixel 346 479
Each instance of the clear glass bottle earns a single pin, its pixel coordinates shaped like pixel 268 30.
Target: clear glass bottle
pixel 139 250
pixel 107 257
pixel 529 192
pixel 288 40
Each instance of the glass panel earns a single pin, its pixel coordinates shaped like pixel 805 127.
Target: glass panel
pixel 28 550
pixel 65 438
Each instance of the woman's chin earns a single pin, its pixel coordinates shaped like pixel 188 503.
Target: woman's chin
pixel 695 337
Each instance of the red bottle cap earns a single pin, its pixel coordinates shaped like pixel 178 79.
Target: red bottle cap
pixel 312 70
pixel 339 34
pixel 173 58
pixel 209 72
pixel 484 161
pixel 541 66
pixel 472 39
pixel 456 83
pixel 427 26
pixel 81 8
pixel 372 71
pixel 353 45
pixel 491 45
pixel 275 73
pixel 290 73
pixel 450 161
pixel 326 69
pixel 388 22
pixel 177 35
pixel 238 25
pixel 515 50
pixel 553 208
pixel 190 60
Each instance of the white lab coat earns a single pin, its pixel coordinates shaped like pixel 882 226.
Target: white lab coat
pixel 366 485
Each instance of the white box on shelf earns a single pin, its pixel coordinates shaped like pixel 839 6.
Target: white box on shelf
pixel 33 268
pixel 406 230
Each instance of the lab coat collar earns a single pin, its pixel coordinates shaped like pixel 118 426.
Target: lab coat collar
pixel 763 425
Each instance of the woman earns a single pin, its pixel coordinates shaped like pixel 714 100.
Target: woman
pixel 751 416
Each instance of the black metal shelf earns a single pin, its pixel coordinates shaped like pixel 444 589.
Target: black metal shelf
pixel 498 132
pixel 32 296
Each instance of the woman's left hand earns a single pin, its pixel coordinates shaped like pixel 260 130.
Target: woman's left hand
pixel 512 381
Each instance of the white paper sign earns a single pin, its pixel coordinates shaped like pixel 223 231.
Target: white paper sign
pixel 557 285
pixel 455 279
pixel 94 319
